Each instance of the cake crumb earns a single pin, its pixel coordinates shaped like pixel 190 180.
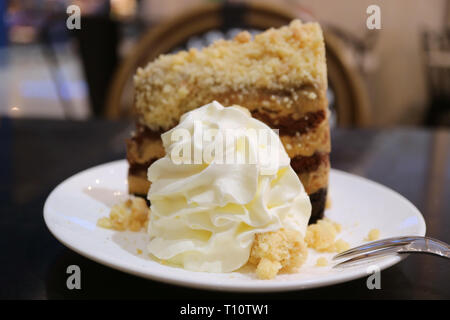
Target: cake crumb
pixel 322 262
pixel 328 203
pixel 272 252
pixel 104 222
pixel 243 37
pixel 373 235
pixel 131 214
pixel 341 246
pixel 138 251
pixel 321 236
pixel 267 269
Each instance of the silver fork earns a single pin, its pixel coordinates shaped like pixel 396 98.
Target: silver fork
pixel 389 246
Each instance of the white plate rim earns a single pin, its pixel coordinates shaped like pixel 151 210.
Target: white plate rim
pixel 258 285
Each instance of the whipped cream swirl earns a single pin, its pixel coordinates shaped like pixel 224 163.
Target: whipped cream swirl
pixel 204 215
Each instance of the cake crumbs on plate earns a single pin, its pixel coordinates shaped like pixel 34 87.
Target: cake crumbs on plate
pixel 282 250
pixel 321 262
pixel 373 235
pixel 131 214
pixel 321 236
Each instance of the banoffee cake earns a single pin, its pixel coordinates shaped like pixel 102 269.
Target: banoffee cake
pixel 280 76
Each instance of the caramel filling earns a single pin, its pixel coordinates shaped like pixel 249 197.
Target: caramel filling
pixel 302 164
pixel 290 125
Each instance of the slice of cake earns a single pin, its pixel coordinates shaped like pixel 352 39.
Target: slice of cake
pixel 237 202
pixel 280 76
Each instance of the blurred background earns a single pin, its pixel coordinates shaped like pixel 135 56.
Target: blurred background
pixel 398 75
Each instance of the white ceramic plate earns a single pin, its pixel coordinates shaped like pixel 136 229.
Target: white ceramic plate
pixel 73 208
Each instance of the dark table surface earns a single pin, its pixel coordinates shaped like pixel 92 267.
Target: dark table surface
pixel 36 155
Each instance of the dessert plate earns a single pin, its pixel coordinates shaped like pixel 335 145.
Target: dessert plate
pixel 359 205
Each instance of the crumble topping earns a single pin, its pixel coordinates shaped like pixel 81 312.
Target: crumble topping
pixel 287 58
pixel 132 214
